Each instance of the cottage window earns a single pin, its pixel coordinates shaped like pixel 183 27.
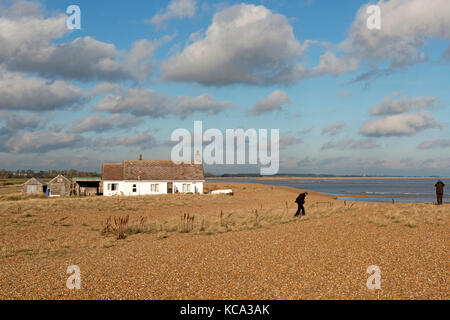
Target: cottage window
pixel 112 186
pixel 186 187
pixel 134 188
pixel 155 188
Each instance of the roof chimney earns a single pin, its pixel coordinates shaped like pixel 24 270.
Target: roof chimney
pixel 140 157
pixel 198 157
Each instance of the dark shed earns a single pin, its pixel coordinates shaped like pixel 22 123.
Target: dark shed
pixel 60 186
pixel 88 186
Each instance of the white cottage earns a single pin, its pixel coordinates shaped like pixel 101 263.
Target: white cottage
pixel 146 177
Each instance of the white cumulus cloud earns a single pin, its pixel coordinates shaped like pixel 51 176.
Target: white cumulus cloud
pixel 146 102
pixel 42 141
pixel 391 105
pixel 274 102
pixel 100 123
pixel 19 92
pixel 176 9
pixel 244 44
pixel 28 43
pixel 404 124
pixel 406 25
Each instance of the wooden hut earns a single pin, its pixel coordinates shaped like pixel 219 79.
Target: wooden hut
pixel 60 186
pixel 34 185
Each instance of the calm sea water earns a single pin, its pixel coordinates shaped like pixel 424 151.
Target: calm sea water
pixel 373 190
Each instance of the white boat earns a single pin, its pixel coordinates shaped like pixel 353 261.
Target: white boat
pixel 225 191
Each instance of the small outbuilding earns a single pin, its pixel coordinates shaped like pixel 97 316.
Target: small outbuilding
pixel 60 186
pixel 87 186
pixel 34 186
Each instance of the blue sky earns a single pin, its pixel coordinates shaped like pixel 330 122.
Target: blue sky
pixel 347 100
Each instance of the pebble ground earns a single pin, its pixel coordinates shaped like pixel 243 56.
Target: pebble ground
pixel 322 258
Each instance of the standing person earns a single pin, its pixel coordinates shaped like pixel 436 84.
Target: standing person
pixel 439 191
pixel 300 202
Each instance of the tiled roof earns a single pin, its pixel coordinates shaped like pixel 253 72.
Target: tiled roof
pixel 161 170
pixel 112 171
pixel 152 170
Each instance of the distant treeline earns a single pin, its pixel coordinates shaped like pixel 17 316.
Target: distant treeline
pixel 5 174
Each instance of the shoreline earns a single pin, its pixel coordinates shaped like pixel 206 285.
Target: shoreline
pixel 322 178
pixel 335 197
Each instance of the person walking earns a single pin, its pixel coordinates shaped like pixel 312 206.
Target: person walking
pixel 300 202
pixel 439 191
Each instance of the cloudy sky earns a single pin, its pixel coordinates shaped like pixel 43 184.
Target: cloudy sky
pixel 347 100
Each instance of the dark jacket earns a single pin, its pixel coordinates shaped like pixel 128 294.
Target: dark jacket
pixel 301 198
pixel 439 187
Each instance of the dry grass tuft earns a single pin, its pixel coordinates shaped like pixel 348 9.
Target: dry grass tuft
pixel 118 228
pixel 186 223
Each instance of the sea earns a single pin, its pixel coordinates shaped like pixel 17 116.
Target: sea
pixel 368 189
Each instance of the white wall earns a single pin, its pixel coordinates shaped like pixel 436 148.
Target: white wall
pixel 142 188
pixel 109 193
pixel 193 185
